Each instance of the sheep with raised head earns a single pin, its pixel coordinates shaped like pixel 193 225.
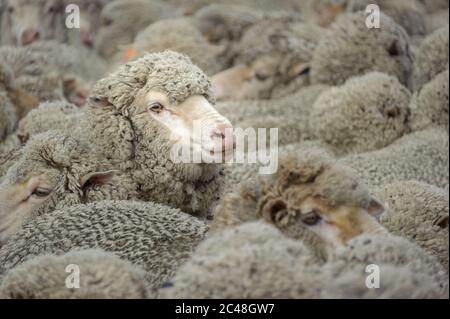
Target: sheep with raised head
pixel 26 21
pixel 154 237
pixel 429 106
pixel 366 113
pixel 54 170
pixel 143 114
pixel 103 276
pixel 418 212
pixel 273 55
pixel 349 48
pixel 421 156
pixel 121 20
pixel 89 15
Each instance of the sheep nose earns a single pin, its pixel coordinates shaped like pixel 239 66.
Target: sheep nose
pixel 224 132
pixel 29 35
pixel 86 37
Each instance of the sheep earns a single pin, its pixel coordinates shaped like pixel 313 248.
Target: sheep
pixel 407 13
pixel 257 261
pixel 418 212
pixel 225 23
pixel 102 275
pixel 26 21
pixel 311 197
pixel 290 114
pixel 405 270
pixel 121 20
pixel 365 113
pixel 252 260
pixel 432 57
pixel 141 114
pixel 151 236
pixel 429 106
pixel 89 11
pixel 419 156
pixel 266 64
pixel 179 35
pixel 54 170
pixel 56 115
pixel 349 48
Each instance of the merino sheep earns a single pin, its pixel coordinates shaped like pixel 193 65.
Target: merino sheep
pixel 256 261
pixel 102 275
pixel 26 21
pixel 121 20
pixel 429 106
pixel 349 48
pixel 407 13
pixel 419 156
pixel 253 260
pixel 364 114
pixel 290 114
pixel 179 35
pixel 419 213
pixel 90 11
pixel 140 117
pixel 432 57
pixel 54 171
pixel 152 236
pixel 223 23
pixel 8 116
pixel 310 197
pixel 272 53
pixel 405 270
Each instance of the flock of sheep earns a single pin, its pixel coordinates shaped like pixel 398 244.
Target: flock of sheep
pixel 88 117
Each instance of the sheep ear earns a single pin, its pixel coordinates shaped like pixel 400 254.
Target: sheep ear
pixel 299 69
pixel 376 208
pixel 274 210
pixel 96 178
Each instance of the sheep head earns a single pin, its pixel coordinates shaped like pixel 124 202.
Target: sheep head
pixel 52 172
pixel 310 194
pixel 30 21
pixel 164 98
pixel 282 55
pixel 322 196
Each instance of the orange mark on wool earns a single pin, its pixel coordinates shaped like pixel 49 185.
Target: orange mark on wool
pixel 128 53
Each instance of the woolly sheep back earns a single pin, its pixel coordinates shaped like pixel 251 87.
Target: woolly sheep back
pixel 418 212
pixel 348 48
pixel 152 236
pixel 103 275
pixel 366 113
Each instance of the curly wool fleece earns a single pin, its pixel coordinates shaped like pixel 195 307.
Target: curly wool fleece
pixel 169 72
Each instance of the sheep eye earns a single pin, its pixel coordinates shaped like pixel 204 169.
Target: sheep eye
pixel 260 76
pixel 11 10
pixel 156 107
pixel 41 192
pixel 107 22
pixel 310 219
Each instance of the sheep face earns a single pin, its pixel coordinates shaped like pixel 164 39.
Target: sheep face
pixel 29 21
pixel 333 224
pixel 89 20
pixel 49 174
pixel 193 123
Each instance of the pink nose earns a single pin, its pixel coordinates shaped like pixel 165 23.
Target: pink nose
pixel 224 132
pixel 29 35
pixel 86 37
